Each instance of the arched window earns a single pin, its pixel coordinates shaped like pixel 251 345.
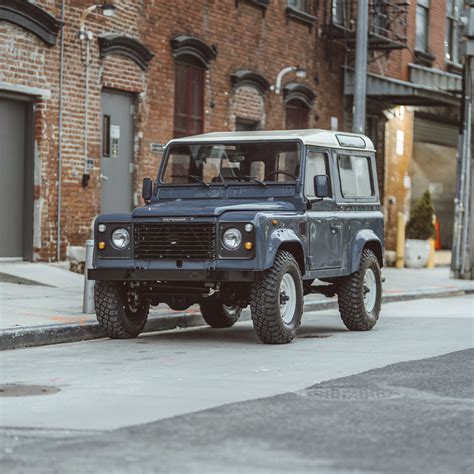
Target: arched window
pixel 192 57
pixel 299 99
pixel 297 115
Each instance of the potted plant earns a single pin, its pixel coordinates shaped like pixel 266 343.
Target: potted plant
pixel 419 231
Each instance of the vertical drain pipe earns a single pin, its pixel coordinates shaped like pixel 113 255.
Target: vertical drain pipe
pixel 60 136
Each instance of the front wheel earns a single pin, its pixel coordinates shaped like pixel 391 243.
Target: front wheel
pixel 118 311
pixel 360 294
pixel 277 302
pixel 219 315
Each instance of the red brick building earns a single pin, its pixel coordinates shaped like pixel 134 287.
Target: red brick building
pixel 157 70
pixel 413 97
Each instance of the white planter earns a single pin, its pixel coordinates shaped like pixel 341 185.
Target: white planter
pixel 417 253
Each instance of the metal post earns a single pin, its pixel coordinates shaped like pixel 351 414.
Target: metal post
pixel 86 101
pixel 360 79
pixel 462 259
pixel 400 262
pixel 467 174
pixel 60 134
pixel 88 300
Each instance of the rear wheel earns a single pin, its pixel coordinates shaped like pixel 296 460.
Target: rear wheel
pixel 360 295
pixel 277 301
pixel 118 310
pixel 219 315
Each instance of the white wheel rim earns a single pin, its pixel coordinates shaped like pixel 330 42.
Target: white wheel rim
pixel 287 298
pixel 370 290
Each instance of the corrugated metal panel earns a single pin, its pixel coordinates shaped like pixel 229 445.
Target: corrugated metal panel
pixel 435 132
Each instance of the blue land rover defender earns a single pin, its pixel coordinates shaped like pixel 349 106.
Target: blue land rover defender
pixel 247 218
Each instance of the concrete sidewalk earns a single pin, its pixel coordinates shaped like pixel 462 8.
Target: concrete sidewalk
pixel 42 304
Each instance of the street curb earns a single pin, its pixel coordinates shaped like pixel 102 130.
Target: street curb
pixel 63 333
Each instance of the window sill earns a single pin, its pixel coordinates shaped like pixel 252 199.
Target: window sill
pixel 263 4
pixel 456 68
pixel 424 58
pixel 299 15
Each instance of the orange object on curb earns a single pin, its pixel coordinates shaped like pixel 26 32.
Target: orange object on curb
pixel 437 235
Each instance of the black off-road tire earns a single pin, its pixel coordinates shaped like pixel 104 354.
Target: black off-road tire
pixel 114 314
pixel 351 295
pixel 218 315
pixel 265 302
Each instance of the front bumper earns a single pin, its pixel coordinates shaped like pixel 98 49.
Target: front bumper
pixel 174 275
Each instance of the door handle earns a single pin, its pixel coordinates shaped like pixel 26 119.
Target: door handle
pixel 103 177
pixel 335 228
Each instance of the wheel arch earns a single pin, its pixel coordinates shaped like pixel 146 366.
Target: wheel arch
pixel 285 239
pixel 366 239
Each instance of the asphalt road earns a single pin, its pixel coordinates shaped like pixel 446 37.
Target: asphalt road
pixel 128 406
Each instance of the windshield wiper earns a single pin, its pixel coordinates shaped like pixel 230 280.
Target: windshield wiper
pixel 252 178
pixel 192 176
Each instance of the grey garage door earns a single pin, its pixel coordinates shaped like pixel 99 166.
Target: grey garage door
pixel 430 131
pixel 117 152
pixel 15 180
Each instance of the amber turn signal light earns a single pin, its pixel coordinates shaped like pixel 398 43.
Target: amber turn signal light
pixel 101 245
pixel 248 246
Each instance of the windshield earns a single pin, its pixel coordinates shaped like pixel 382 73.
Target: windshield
pixel 259 163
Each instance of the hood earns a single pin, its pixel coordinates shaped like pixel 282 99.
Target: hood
pixel 205 207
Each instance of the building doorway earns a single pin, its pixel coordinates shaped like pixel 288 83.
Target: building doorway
pixel 117 162
pixel 16 178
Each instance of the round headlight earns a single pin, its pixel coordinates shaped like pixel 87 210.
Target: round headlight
pixel 232 239
pixel 120 238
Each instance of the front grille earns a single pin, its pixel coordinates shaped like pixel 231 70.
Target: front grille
pixel 170 241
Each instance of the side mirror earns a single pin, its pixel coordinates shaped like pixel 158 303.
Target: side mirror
pixel 321 185
pixel 147 190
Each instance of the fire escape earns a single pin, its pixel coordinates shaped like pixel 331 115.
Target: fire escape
pixel 387 24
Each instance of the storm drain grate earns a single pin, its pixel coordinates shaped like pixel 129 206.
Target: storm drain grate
pixel 20 390
pixel 349 393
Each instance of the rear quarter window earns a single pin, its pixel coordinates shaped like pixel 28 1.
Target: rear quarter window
pixel 356 176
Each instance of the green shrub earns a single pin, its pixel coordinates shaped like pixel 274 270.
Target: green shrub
pixel 420 225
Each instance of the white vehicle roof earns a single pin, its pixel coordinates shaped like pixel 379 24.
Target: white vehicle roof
pixel 315 136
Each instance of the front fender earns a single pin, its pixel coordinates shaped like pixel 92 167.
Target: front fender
pixel 363 238
pixel 278 238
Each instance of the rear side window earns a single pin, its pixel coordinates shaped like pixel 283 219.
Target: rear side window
pixel 356 176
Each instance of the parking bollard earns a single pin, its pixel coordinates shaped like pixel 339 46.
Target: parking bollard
pixel 88 300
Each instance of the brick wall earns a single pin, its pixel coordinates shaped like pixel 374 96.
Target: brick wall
pixel 396 63
pixel 244 39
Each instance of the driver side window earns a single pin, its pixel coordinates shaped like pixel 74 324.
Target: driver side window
pixel 316 164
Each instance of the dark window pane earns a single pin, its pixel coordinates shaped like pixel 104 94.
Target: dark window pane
pixel 316 164
pixel 421 42
pixel 355 176
pixel 296 115
pixel 303 5
pixel 106 136
pixel 232 162
pixel 242 125
pixel 189 100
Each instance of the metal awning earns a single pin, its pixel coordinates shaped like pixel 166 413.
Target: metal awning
pixel 397 92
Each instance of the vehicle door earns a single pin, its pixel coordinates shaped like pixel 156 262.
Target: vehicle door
pixel 325 230
pixel 356 195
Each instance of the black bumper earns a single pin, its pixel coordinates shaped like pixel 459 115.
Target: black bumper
pixel 174 275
